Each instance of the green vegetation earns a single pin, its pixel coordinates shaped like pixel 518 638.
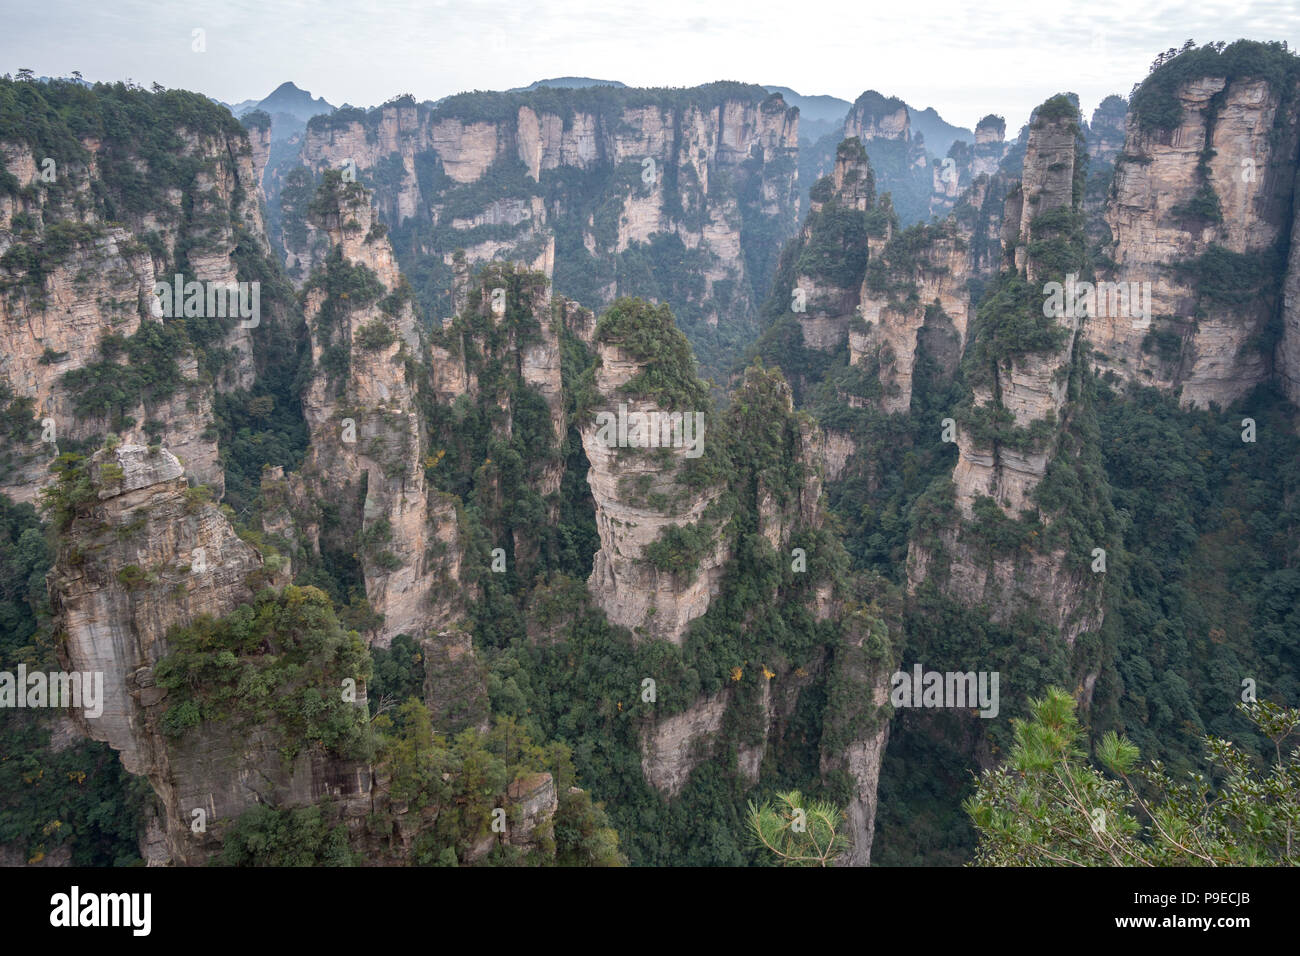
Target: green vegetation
pixel 799 835
pixel 111 389
pixel 468 776
pixel 281 661
pixel 71 493
pixel 837 248
pixel 1059 107
pixel 78 798
pixel 18 427
pixel 464 779
pixel 1205 593
pixel 493 449
pixel 347 286
pixel 679 549
pixel 1155 104
pixel 648 334
pixel 1203 207
pixel 266 836
pixel 1048 806
pixel 131 124
pixel 1226 278
pixel 485 107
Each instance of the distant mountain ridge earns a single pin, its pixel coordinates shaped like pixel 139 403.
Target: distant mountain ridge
pixel 287 98
pixel 566 83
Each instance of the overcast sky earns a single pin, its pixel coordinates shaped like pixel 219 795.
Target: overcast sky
pixel 963 58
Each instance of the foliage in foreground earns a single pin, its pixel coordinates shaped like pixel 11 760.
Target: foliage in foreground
pixel 1048 806
pixel 799 832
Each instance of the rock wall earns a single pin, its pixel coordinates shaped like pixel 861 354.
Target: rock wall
pixel 1031 390
pixel 367 437
pixel 1032 386
pixel 1288 348
pixel 140 559
pixel 1235 148
pixel 73 277
pixel 638 495
pixel 935 308
pixel 1106 131
pixel 577 174
pixel 828 303
pixel 861 755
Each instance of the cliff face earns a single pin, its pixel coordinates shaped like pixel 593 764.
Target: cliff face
pixel 856 731
pixel 1105 133
pixel 1288 348
pixel 1198 210
pixel 586 186
pixel 1032 387
pixel 874 117
pixel 673 747
pixel 1024 386
pixel 990 146
pixel 754 714
pixel 502 355
pixel 640 494
pixel 966 163
pixel 80 253
pixel 833 248
pixel 139 558
pixel 917 300
pixel 366 432
pixel 902 164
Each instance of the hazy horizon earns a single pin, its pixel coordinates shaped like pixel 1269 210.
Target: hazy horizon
pixel 974 63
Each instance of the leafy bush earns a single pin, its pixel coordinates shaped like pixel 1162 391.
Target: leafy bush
pixel 374 336
pixel 679 548
pixel 280 661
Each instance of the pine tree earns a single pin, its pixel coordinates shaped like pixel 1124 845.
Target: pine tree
pixel 1048 806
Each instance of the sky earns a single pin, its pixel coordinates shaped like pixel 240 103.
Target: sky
pixel 966 59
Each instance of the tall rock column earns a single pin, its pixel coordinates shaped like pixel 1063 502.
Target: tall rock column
pixel 366 432
pixel 139 554
pixel 1027 411
pixel 661 552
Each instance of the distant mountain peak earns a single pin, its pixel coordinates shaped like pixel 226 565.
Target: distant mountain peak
pixel 568 83
pixel 289 97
